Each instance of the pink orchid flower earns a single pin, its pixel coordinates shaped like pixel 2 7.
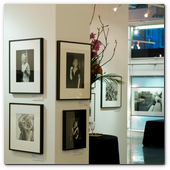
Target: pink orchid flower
pixel 96 45
pixel 92 35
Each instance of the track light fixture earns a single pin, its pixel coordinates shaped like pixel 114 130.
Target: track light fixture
pixel 115 9
pixel 148 11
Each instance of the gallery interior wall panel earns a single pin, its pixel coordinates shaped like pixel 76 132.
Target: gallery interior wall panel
pixel 113 121
pixel 23 22
pixel 72 24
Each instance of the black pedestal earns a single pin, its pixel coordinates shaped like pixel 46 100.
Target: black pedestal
pixel 103 150
pixel 154 133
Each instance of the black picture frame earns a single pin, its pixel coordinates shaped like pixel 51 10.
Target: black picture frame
pixel 92 108
pixel 16 84
pixel 74 139
pixel 67 51
pixel 23 141
pixel 111 103
pixel 93 85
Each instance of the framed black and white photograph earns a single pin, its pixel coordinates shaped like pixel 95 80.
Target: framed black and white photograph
pixel 92 108
pixel 74 129
pixel 26 66
pixel 148 101
pixel 111 94
pixel 73 70
pixel 26 127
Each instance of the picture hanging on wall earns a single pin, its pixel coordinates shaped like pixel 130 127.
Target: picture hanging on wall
pixel 73 70
pixel 74 129
pixel 148 101
pixel 111 94
pixel 26 127
pixel 92 108
pixel 26 66
pixel 93 85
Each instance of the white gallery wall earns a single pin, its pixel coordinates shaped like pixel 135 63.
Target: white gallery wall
pixel 51 22
pixel 24 22
pixel 72 24
pixel 113 121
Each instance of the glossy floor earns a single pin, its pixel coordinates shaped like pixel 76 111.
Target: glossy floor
pixel 138 154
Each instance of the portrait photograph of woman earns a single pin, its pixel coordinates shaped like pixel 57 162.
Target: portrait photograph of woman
pixel 25 66
pixel 25 128
pixel 74 129
pixel 75 70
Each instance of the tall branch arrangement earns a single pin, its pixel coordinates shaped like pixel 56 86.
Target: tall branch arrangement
pixel 97 57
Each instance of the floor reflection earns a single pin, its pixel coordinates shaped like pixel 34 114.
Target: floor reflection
pixel 138 154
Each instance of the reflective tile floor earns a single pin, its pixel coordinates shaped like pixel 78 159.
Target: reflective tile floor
pixel 138 154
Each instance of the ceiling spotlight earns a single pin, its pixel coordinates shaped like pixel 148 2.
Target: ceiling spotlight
pixel 115 9
pixel 146 15
pixel 148 11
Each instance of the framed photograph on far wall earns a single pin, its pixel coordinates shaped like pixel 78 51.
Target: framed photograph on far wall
pixel 93 85
pixel 74 129
pixel 73 70
pixel 26 66
pixel 92 108
pixel 111 94
pixel 147 101
pixel 26 127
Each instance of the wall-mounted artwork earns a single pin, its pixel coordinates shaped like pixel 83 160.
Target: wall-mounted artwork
pixel 26 127
pixel 74 129
pixel 93 85
pixel 111 94
pixel 26 66
pixel 148 101
pixel 92 108
pixel 73 70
